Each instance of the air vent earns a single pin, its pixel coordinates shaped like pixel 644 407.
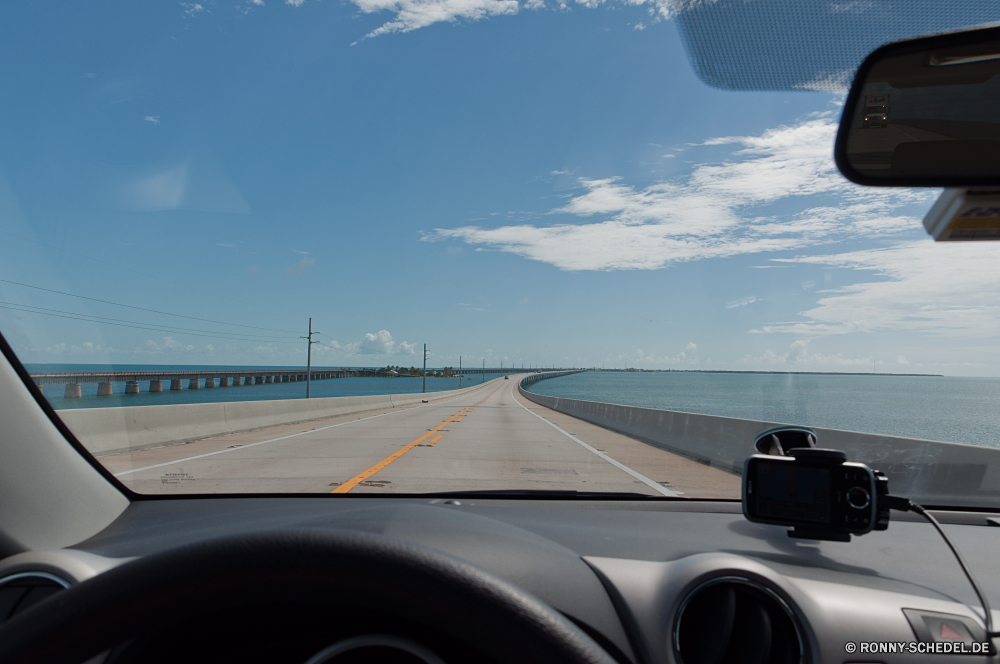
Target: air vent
pixel 733 620
pixel 18 592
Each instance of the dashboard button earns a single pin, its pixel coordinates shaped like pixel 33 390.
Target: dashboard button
pixel 934 627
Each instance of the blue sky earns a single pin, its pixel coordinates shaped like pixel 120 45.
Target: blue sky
pixel 526 182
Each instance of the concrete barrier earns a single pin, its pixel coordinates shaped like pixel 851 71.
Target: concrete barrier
pixel 928 471
pixel 106 431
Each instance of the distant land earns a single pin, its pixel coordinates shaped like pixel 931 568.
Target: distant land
pixel 803 373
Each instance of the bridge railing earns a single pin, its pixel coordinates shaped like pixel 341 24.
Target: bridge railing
pixel 931 472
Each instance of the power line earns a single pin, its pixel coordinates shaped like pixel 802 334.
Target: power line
pixel 101 319
pixel 129 306
pixel 122 267
pixel 138 327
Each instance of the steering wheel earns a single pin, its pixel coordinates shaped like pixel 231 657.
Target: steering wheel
pixel 467 603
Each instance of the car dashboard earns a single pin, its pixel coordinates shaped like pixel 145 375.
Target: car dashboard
pixel 650 581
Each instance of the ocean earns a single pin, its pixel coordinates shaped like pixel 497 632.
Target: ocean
pixel 331 387
pixel 958 410
pixel 954 410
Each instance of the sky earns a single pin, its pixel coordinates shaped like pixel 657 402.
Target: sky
pixel 536 182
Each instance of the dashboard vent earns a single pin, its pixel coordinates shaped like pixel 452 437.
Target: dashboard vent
pixel 18 592
pixel 733 620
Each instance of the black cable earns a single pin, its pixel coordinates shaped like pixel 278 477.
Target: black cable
pixel 30 308
pixel 127 269
pixel 129 306
pixel 141 327
pixel 904 504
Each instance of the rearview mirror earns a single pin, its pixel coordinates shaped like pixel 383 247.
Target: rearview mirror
pixel 925 113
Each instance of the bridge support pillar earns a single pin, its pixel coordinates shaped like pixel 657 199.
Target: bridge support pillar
pixel 285 379
pixel 237 381
pixel 224 381
pixel 210 382
pixel 41 388
pixel 258 380
pixel 194 384
pixel 132 387
pixel 73 391
pixel 156 386
pixel 268 379
pixel 105 389
pixel 248 380
pixel 177 385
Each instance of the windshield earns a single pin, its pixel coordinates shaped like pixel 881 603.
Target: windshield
pixel 383 248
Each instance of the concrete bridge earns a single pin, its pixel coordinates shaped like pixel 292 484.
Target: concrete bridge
pixel 196 380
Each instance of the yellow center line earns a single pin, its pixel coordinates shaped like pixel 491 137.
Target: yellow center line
pixel 354 481
pixel 436 438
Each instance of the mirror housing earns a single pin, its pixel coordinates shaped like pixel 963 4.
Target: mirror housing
pixel 925 113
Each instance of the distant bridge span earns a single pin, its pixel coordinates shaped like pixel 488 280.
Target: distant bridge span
pixel 210 379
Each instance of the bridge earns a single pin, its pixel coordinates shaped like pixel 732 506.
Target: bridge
pixel 215 378
pixel 485 437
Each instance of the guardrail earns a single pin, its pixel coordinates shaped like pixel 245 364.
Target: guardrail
pixel 928 471
pixel 105 431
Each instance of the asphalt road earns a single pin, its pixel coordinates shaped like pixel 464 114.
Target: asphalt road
pixel 491 438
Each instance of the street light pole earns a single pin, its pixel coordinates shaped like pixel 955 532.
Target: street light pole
pixel 425 367
pixel 459 372
pixel 309 359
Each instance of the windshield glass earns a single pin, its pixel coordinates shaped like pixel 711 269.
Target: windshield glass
pixel 398 247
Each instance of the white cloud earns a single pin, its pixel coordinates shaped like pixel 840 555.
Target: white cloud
pixel 934 288
pixel 684 357
pixel 379 343
pixel 155 119
pixel 413 14
pixel 742 302
pixel 376 344
pixel 298 268
pixel 798 355
pixel 409 15
pixel 717 211
pixel 191 9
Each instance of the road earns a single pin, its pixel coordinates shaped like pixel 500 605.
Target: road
pixel 490 438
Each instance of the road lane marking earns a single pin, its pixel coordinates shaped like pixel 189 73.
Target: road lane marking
pixel 274 440
pixel 354 481
pixel 639 476
pixel 437 438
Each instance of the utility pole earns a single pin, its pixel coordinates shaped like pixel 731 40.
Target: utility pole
pixel 309 360
pixel 484 369
pixel 425 367
pixel 459 372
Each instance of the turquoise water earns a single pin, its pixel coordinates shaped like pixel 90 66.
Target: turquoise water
pixel 955 410
pixel 336 387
